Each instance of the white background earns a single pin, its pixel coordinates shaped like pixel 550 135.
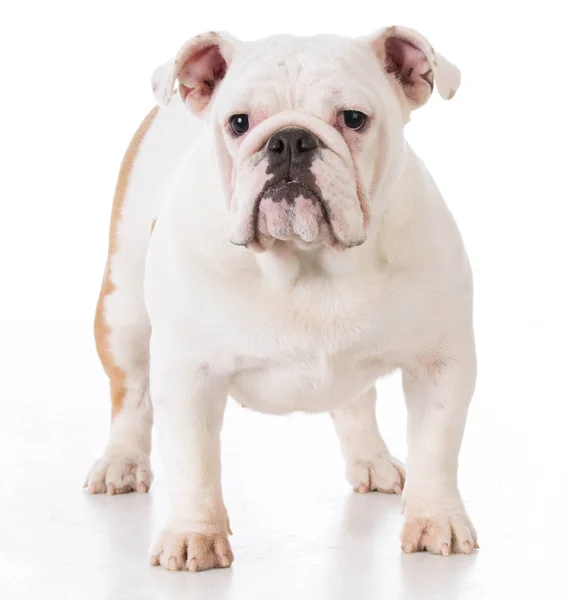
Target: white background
pixel 74 85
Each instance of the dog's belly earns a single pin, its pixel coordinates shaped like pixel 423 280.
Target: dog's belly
pixel 311 384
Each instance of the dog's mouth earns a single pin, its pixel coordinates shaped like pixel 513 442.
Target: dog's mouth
pixel 300 207
pixel 292 210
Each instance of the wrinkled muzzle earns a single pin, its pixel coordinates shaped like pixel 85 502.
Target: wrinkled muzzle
pixel 296 184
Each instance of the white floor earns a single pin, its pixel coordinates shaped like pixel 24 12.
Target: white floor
pixel 300 532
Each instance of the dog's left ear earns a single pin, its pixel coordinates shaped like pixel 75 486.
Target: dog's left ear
pixel 407 56
pixel 200 65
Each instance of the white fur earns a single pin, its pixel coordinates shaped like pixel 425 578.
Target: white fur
pixel 297 328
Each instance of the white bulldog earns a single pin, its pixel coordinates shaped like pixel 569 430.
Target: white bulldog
pixel 301 251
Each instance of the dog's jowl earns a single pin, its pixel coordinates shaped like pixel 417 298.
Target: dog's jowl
pixel 288 251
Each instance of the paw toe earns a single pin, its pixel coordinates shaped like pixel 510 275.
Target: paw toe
pixel 438 535
pixel 119 474
pixel 381 475
pixel 191 551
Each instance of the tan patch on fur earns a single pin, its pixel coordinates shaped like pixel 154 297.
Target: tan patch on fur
pixel 101 327
pixel 152 226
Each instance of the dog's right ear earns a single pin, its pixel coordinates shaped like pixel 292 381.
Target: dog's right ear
pixel 200 66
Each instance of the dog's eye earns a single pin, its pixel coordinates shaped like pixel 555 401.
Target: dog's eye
pixel 354 119
pixel 239 124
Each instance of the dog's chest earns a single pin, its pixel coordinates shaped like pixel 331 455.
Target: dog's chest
pixel 315 350
pixel 315 382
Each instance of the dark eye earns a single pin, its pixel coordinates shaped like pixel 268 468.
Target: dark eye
pixel 354 119
pixel 239 124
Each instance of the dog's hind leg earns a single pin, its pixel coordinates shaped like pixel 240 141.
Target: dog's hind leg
pixel 122 333
pixel 124 351
pixel 369 465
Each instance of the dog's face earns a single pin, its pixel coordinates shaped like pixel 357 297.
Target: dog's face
pixel 308 130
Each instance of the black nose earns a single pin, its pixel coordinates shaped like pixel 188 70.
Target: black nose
pixel 294 144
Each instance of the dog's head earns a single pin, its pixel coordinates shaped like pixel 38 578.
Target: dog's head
pixel 308 130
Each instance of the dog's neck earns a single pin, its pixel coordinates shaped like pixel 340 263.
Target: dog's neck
pixel 285 265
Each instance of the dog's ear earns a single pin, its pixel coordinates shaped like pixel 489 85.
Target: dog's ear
pixel 408 57
pixel 200 66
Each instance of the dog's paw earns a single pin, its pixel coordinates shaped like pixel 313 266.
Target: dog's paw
pixel 439 532
pixel 184 551
pixel 381 474
pixel 119 472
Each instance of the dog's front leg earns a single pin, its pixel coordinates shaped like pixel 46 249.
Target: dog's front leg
pixel 438 391
pixel 189 401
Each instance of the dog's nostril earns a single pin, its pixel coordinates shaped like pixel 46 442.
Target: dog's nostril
pixel 307 142
pixel 276 144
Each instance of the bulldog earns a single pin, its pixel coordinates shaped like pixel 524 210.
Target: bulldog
pixel 287 249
